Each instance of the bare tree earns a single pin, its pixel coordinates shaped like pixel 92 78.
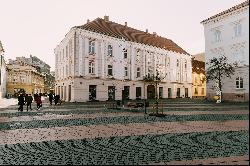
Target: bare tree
pixel 218 69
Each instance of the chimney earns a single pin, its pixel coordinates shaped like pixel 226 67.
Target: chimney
pixel 106 18
pixel 87 20
pixel 146 30
pixel 126 24
pixel 154 33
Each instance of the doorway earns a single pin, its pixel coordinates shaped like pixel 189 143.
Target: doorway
pixel 150 91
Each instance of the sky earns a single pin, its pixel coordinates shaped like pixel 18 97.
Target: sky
pixel 36 27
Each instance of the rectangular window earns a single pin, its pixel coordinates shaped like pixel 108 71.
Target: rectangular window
pixel 110 70
pixel 138 54
pixel 67 51
pixel 239 83
pixel 111 92
pixel 138 92
pixel 217 35
pixel 195 91
pixel 91 67
pixel 237 30
pixel 169 93
pixel 202 91
pixel 110 50
pixel 91 47
pixel 160 92
pixel 125 53
pixel 92 92
pixel 125 71
pixel 178 93
pixel 138 73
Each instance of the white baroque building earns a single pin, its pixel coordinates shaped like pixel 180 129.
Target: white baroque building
pixel 103 60
pixel 227 33
pixel 3 73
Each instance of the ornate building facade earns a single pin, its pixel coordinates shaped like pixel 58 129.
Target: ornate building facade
pixel 199 79
pixel 227 33
pixel 23 78
pixel 41 67
pixel 103 60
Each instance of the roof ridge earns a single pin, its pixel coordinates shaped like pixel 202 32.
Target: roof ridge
pixel 118 30
pixel 243 4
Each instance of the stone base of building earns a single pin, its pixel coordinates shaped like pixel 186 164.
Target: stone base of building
pixel 236 97
pixel 84 89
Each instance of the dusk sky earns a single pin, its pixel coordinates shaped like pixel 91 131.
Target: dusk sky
pixel 36 26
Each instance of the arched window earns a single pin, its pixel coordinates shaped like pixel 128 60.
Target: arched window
pixel 239 83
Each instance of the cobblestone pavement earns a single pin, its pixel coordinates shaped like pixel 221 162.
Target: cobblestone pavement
pixel 89 133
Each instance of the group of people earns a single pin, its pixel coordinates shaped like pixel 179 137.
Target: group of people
pixel 54 97
pixel 28 99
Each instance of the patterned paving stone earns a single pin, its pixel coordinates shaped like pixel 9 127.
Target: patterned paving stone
pixel 117 120
pixel 111 130
pixel 129 150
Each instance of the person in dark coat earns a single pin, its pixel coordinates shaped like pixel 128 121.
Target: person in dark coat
pixel 29 101
pixel 20 102
pixel 57 98
pixel 39 102
pixel 50 98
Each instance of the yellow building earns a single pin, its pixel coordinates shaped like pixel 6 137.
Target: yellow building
pixel 199 79
pixel 24 78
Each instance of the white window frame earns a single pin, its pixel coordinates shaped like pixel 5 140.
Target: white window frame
pixel 91 67
pixel 126 71
pixel 110 50
pixel 110 67
pixel 138 72
pixel 91 47
pixel 217 35
pixel 237 30
pixel 125 53
pixel 239 81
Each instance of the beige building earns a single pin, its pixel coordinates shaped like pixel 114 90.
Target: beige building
pixel 24 78
pixel 198 78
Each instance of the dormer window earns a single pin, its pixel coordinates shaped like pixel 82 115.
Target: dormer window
pixel 91 46
pixel 110 50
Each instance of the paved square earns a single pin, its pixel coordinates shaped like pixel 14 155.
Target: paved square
pixel 89 133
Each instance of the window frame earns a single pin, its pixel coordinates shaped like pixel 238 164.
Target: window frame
pixel 91 67
pixel 91 46
pixel 110 50
pixel 239 83
pixel 110 68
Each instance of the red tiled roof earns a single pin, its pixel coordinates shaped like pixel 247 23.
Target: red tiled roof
pixel 198 66
pixel 243 4
pixel 129 34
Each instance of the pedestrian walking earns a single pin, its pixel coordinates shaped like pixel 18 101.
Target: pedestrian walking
pixel 20 102
pixel 51 98
pixel 57 98
pixel 29 101
pixel 38 101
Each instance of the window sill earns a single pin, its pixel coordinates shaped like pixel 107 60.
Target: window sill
pixel 240 89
